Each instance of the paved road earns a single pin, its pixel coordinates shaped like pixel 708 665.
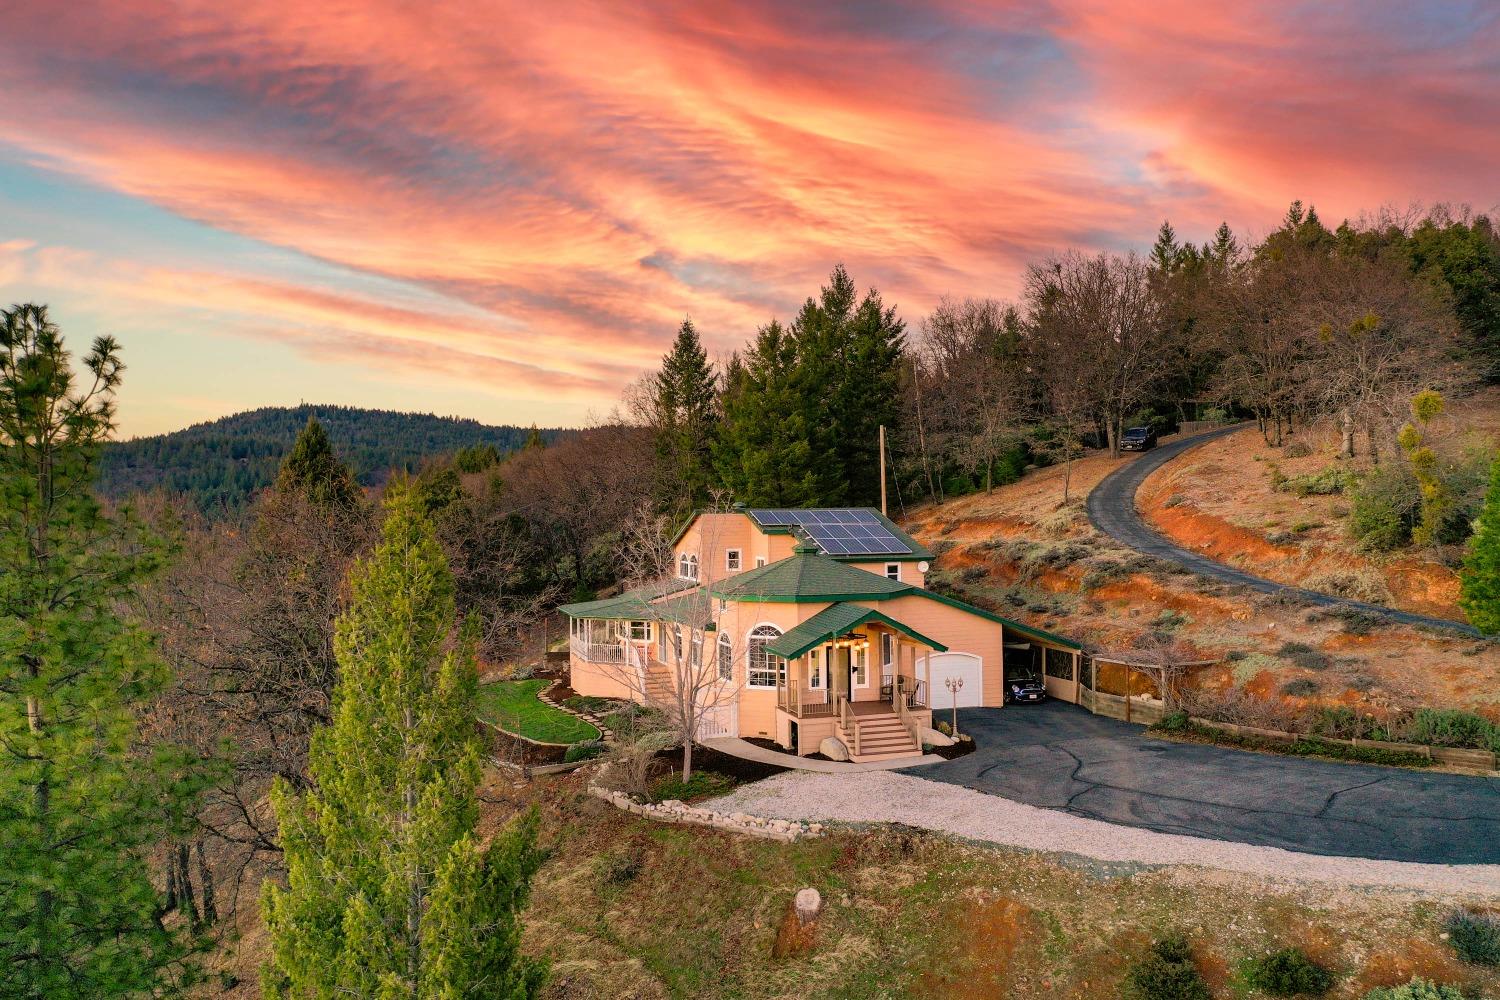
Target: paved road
pixel 1058 756
pixel 1112 510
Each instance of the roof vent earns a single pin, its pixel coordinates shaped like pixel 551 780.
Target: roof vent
pixel 806 549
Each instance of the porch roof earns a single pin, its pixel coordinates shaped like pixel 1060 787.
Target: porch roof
pixel 642 602
pixel 834 621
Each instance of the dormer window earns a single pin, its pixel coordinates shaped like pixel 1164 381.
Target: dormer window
pixel 893 571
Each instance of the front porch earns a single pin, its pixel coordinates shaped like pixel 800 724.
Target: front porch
pixel 852 673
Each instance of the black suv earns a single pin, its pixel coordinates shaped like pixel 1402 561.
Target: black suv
pixel 1138 439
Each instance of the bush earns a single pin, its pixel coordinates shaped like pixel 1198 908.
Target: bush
pixel 587 750
pixel 1166 972
pixel 1344 723
pixel 1303 656
pixel 618 867
pixel 1357 585
pixel 1296 450
pixel 1417 989
pixel 1474 936
pixel 1330 482
pixel 1385 507
pixel 1441 727
pixel 1288 973
pixel 1302 687
pixel 1175 722
pixel 945 729
pixel 700 784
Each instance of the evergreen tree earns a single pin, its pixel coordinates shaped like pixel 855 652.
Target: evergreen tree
pixel 1166 253
pixel 1224 247
pixel 685 397
pixel 533 440
pixel 1480 577
pixel 78 808
pixel 766 455
pixel 312 469
pixel 849 355
pixel 389 893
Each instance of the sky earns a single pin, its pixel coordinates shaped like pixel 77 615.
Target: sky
pixel 504 210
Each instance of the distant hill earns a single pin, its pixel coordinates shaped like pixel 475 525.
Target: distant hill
pixel 220 464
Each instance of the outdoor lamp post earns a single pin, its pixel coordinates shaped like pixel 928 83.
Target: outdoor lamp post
pixel 954 685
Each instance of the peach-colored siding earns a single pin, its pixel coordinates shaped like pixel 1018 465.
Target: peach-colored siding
pixel 961 631
pixel 599 681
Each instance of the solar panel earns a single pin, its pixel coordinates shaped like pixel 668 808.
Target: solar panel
pixel 839 531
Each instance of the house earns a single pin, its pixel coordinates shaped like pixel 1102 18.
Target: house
pixel 801 625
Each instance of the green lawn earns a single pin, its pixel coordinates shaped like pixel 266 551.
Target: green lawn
pixel 513 706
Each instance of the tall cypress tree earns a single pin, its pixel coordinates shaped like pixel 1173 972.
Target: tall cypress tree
pixel 78 808
pixel 313 469
pixel 685 393
pixel 1480 576
pixel 389 894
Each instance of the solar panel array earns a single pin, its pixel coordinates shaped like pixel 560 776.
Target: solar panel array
pixel 837 531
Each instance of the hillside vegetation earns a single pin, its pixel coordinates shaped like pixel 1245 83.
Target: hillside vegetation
pixel 220 464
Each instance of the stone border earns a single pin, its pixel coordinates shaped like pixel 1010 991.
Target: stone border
pixel 673 811
pixel 545 697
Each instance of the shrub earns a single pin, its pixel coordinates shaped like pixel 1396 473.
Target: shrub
pixel 1296 450
pixel 1166 972
pixel 1288 973
pixel 1175 722
pixel 945 729
pixel 1174 500
pixel 1344 723
pixel 1170 621
pixel 1302 687
pixel 1303 655
pixel 700 784
pixel 1358 585
pixel 1235 655
pixel 1475 937
pixel 1385 507
pixel 1441 727
pixel 618 867
pixel 1356 621
pixel 587 750
pixel 1417 989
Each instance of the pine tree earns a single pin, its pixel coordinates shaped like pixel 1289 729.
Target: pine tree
pixel 389 893
pixel 766 454
pixel 1480 577
pixel 79 804
pixel 1167 252
pixel 312 469
pixel 685 396
pixel 1224 246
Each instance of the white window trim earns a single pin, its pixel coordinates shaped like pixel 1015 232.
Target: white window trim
pixel 887 649
pixel 815 668
pixel 646 628
pixel 893 571
pixel 725 657
pixel 780 671
pixel 854 668
pixel 760 561
pixel 732 560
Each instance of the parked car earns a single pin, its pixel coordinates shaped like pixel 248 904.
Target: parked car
pixel 1138 439
pixel 1024 688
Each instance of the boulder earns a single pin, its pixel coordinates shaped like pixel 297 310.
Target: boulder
pixel 833 749
pixel 934 738
pixel 809 903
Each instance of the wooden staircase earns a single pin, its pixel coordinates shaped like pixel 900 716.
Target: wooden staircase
pixel 881 737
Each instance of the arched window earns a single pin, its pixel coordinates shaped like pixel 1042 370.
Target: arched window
pixel 763 669
pixel 692 568
pixel 682 566
pixel 726 657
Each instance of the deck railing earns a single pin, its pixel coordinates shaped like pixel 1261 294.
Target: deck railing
pixel 598 652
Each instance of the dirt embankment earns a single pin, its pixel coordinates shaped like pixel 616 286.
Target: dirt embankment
pixel 1023 553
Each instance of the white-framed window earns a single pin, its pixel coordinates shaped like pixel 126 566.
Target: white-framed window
pixel 815 668
pixel 762 669
pixel 887 648
pixel 732 560
pixel 676 643
pixel 760 561
pixel 640 631
pixel 893 571
pixel 697 650
pixel 692 567
pixel 726 657
pixel 687 566
pixel 859 658
pixel 661 645
pixel 682 566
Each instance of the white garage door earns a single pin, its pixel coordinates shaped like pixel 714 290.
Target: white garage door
pixel 965 666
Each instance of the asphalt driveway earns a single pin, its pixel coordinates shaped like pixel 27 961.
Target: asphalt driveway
pixel 1059 756
pixel 1112 510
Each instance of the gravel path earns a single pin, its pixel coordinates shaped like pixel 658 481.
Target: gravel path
pixel 884 797
pixel 1112 510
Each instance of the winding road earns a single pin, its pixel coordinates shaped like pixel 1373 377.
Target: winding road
pixel 1112 509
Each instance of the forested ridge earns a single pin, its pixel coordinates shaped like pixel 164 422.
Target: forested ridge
pixel 219 464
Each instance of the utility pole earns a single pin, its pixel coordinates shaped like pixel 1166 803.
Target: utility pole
pixel 882 469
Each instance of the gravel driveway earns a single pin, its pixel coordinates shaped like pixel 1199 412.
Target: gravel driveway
pixel 1058 756
pixel 894 797
pixel 1112 510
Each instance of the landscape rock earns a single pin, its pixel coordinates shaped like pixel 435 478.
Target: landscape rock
pixel 833 749
pixel 935 738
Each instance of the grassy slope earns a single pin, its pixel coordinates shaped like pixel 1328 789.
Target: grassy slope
pixel 625 907
pixel 513 706
pixel 1020 551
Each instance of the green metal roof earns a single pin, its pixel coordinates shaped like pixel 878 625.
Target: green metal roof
pixel 642 602
pixel 809 576
pixel 834 621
